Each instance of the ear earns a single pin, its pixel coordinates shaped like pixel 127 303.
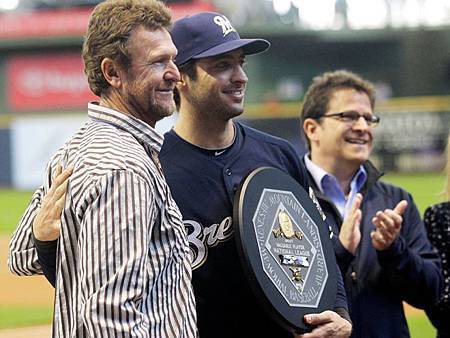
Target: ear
pixel 184 79
pixel 111 72
pixel 310 128
pixel 183 83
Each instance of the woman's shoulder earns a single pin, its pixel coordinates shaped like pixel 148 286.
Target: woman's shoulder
pixel 439 209
pixel 437 223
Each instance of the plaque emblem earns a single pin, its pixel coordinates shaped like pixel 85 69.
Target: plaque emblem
pixel 290 247
pixel 286 227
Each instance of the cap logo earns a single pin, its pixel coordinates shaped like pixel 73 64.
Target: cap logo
pixel 225 24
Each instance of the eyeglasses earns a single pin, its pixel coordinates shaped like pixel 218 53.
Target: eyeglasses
pixel 352 116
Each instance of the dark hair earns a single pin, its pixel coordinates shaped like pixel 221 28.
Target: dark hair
pixel 189 69
pixel 317 98
pixel 110 26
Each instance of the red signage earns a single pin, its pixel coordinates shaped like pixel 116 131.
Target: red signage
pixel 44 23
pixel 180 10
pixel 47 83
pixel 71 21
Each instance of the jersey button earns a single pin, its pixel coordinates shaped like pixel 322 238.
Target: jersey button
pixel 228 172
pixel 354 276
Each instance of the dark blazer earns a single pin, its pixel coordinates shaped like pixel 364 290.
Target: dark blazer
pixel 377 282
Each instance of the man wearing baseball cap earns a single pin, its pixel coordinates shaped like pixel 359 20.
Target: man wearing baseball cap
pixel 204 158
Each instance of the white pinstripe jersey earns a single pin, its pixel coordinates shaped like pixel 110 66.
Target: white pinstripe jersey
pixel 123 264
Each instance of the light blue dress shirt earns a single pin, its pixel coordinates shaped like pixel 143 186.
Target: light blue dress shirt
pixel 329 185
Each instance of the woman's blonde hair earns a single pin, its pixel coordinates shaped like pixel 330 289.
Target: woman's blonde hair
pixel 446 192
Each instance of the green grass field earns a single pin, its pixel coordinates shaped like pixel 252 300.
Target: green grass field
pixel 425 189
pixel 12 205
pixel 18 316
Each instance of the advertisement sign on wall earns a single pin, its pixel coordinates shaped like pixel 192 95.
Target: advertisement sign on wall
pixel 36 83
pixel 35 139
pixel 33 142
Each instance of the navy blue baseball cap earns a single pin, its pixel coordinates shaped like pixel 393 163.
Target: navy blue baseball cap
pixel 209 34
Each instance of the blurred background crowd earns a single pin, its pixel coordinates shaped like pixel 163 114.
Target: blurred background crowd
pixel 403 46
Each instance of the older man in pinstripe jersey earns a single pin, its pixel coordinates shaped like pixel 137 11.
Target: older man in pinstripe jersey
pixel 123 266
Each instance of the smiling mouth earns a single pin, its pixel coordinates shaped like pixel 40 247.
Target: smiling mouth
pixel 237 95
pixel 357 141
pixel 165 92
pixel 237 92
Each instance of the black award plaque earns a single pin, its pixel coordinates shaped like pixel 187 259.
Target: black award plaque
pixel 285 247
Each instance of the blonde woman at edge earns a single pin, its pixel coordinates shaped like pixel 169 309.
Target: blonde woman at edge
pixel 437 222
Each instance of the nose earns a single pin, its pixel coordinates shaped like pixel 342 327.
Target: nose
pixel 172 74
pixel 361 124
pixel 239 75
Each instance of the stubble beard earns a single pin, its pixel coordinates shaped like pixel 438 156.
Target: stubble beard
pixel 161 111
pixel 222 110
pixel 151 111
